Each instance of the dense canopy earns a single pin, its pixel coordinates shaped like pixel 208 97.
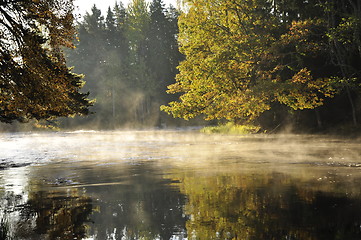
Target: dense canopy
pixel 129 56
pixel 35 82
pixel 248 58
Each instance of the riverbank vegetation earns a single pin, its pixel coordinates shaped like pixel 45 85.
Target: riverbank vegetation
pixel 231 128
pixel 273 64
pixel 265 63
pixel 270 62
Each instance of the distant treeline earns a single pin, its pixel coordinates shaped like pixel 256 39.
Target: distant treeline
pixel 128 58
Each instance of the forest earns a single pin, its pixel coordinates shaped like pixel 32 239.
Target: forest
pixel 128 57
pixel 272 64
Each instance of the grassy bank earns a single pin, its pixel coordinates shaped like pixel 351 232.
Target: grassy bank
pixel 231 128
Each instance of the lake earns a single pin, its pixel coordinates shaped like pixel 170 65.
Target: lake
pixel 178 185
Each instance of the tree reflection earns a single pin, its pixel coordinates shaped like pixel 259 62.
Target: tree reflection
pixel 45 215
pixel 59 216
pixel 267 207
pixel 105 202
pixel 144 206
pixel 144 201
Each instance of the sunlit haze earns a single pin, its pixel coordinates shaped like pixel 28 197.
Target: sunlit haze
pixel 83 6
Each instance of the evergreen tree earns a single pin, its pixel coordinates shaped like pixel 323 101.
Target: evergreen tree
pixel 133 61
pixel 162 56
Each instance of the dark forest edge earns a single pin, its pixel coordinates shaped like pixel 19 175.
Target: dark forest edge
pixel 278 65
pixel 275 64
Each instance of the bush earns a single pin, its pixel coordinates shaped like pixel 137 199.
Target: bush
pixel 231 128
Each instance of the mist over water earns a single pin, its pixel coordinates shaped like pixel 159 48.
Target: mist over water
pixel 178 184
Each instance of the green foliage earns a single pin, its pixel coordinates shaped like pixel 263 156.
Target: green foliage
pixel 243 57
pixel 35 82
pixel 128 58
pixel 138 24
pixel 218 72
pixel 344 31
pixel 231 128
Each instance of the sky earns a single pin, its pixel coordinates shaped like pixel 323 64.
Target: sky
pixel 83 6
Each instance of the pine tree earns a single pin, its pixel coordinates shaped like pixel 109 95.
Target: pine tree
pixel 128 58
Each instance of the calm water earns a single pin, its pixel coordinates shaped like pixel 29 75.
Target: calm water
pixel 178 185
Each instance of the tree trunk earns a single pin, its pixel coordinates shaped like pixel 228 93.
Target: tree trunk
pixel 353 109
pixel 341 60
pixel 318 119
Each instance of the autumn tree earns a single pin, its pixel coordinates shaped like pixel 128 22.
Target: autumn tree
pixel 243 58
pixel 35 82
pixel 223 42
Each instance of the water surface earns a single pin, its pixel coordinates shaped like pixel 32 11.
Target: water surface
pixel 178 185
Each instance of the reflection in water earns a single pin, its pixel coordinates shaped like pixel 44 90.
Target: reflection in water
pixel 162 185
pixel 57 216
pixel 106 202
pixel 34 213
pixel 272 206
pixel 142 206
